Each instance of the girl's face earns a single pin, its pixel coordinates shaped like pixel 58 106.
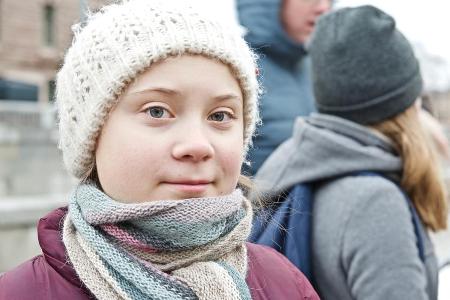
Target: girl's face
pixel 176 132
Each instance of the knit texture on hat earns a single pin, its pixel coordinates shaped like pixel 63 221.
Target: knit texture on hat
pixel 364 69
pixel 172 249
pixel 120 42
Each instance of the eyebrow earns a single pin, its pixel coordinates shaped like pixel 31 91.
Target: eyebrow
pixel 228 97
pixel 159 90
pixel 167 91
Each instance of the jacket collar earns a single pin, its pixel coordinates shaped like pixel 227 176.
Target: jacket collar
pixel 49 236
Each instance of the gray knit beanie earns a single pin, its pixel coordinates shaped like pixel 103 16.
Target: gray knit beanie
pixel 120 42
pixel 364 69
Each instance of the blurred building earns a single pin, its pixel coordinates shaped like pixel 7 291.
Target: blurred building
pixel 441 107
pixel 33 37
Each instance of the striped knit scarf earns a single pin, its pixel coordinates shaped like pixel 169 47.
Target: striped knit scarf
pixel 175 249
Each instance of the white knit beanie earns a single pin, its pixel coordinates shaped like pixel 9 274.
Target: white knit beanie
pixel 120 42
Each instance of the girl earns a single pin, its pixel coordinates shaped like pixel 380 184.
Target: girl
pixel 364 155
pixel 157 106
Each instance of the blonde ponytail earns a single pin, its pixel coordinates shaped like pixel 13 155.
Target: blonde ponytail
pixel 421 178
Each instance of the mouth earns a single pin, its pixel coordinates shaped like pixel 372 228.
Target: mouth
pixel 189 187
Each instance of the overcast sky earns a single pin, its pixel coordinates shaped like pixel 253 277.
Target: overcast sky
pixel 423 21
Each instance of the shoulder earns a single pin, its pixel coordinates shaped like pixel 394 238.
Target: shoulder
pixel 375 196
pixel 370 225
pixel 363 206
pixel 380 215
pixel 346 203
pixel 27 281
pixel 47 276
pixel 271 276
pixel 374 192
pixel 35 279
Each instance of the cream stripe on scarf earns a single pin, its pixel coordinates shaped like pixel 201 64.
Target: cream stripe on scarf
pixel 96 279
pixel 220 284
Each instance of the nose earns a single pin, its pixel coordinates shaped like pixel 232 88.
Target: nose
pixel 193 146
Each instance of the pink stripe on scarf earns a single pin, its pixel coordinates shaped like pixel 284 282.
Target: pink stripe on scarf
pixel 126 238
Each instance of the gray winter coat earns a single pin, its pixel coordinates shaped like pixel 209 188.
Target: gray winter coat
pixel 363 240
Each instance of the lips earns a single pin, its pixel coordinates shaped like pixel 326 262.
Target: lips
pixel 189 188
pixel 189 182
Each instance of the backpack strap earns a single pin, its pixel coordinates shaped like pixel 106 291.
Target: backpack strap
pixel 287 227
pixel 298 242
pixel 417 223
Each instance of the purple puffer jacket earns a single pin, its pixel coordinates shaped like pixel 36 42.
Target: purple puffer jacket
pixel 49 276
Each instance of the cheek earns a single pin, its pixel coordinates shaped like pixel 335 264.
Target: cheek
pixel 231 163
pixel 115 164
pixel 231 159
pixel 123 158
pixel 298 15
pixel 126 159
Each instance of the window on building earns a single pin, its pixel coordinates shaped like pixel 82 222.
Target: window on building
pixel 18 90
pixel 49 25
pixel 51 87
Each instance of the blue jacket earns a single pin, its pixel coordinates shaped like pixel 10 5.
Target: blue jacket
pixel 284 75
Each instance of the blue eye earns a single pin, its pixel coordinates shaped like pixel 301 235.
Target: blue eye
pixel 158 112
pixel 220 116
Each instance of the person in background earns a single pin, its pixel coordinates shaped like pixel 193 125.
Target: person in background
pixel 277 30
pixel 157 105
pixel 377 184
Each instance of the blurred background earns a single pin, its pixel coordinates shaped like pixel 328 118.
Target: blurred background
pixel 33 37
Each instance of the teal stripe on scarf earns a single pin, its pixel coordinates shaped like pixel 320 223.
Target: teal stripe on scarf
pixel 240 282
pixel 131 290
pixel 149 283
pixel 173 235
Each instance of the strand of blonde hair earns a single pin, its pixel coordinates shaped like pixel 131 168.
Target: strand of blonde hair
pixel 421 178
